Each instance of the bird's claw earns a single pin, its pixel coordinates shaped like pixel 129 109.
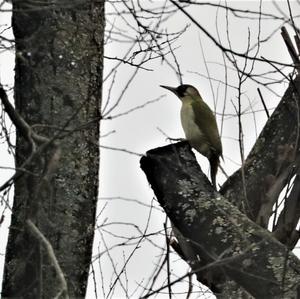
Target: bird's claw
pixel 175 139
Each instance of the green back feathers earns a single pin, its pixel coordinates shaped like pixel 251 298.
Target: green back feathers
pixel 206 121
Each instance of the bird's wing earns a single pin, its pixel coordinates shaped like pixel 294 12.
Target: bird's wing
pixel 210 131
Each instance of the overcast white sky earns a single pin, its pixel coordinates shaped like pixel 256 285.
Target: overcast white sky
pixel 139 131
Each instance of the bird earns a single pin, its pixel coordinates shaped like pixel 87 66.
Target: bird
pixel 199 125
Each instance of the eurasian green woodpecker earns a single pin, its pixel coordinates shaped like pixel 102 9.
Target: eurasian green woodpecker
pixel 199 125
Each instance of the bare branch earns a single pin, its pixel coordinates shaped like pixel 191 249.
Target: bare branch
pixel 18 121
pixel 290 47
pixel 263 102
pixel 217 229
pixel 63 292
pixel 220 46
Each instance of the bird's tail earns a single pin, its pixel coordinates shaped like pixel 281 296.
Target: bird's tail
pixel 214 164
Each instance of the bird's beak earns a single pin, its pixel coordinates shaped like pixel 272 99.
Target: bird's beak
pixel 173 89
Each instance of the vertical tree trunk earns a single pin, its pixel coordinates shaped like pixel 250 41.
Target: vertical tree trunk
pixel 58 83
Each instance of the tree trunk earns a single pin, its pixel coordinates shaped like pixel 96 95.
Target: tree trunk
pixel 58 83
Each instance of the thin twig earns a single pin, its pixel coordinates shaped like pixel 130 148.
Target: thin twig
pixel 263 102
pixel 290 47
pixel 168 260
pixel 220 46
pixel 49 249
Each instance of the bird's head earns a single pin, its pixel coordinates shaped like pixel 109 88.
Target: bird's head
pixel 183 91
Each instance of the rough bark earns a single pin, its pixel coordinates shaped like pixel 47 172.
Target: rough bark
pixel 219 232
pixel 58 83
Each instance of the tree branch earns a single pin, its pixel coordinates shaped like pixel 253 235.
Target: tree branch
pixel 216 228
pixel 274 155
pixel 21 125
pixel 63 292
